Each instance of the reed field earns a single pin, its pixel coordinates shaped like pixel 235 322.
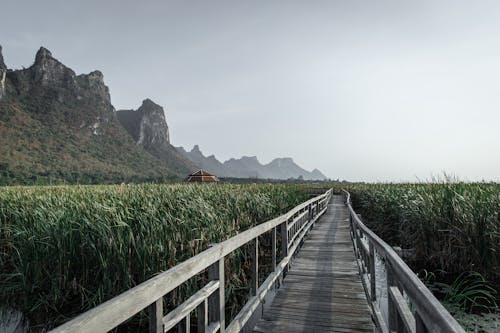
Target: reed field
pixel 452 229
pixel 66 249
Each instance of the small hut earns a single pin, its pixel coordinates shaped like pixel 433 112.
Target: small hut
pixel 202 176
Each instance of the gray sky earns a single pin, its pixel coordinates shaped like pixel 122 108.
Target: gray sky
pixel 362 90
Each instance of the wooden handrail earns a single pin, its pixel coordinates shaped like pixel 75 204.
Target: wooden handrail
pixel 429 314
pixel 150 293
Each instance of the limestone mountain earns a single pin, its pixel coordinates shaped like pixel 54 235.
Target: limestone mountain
pixel 58 126
pixel 148 128
pixel 250 167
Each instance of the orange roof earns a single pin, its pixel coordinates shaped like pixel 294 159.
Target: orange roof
pixel 202 176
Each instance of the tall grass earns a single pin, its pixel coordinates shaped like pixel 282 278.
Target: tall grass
pixel 452 226
pixel 65 249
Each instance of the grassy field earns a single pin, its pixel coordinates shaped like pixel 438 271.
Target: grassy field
pixel 65 249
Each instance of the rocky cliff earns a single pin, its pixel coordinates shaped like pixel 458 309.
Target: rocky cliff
pixel 148 128
pixel 3 75
pixel 250 167
pixel 56 125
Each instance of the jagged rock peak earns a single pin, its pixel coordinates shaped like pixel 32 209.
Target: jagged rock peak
pixel 150 107
pixel 147 125
pixel 150 104
pixel 196 149
pixel 96 74
pixel 42 54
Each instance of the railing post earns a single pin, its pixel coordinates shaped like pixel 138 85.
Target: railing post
pixel 395 321
pixel 372 272
pixel 273 248
pixel 255 266
pixel 156 316
pixel 216 300
pixel 284 243
pixel 203 317
pixel 185 325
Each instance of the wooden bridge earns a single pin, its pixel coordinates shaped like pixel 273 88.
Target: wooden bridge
pixel 324 280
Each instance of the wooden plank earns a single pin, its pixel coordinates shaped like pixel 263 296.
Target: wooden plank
pixel 297 220
pixel 392 312
pixel 184 326
pixel 403 309
pixel 156 316
pixel 202 323
pixel 322 292
pixel 183 310
pixel 286 326
pixel 255 267
pixel 252 304
pixel 273 248
pixel 284 241
pixel 379 319
pixel 373 292
pixel 216 301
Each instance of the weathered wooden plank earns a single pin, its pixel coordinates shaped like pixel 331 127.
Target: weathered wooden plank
pixel 403 309
pixel 273 248
pixel 293 326
pixel 183 310
pixel 255 267
pixel 202 323
pixel 322 291
pixel 156 316
pixel 249 308
pixel 379 319
pixel 371 270
pixel 216 301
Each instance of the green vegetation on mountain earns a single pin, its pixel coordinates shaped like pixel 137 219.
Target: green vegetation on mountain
pixel 58 127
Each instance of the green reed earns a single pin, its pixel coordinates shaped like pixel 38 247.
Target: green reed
pixel 66 249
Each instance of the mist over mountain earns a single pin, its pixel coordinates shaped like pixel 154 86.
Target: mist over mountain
pixel 250 167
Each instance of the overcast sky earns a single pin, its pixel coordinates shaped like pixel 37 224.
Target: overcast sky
pixel 363 90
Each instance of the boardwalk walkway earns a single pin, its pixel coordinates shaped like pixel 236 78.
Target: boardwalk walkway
pixel 322 292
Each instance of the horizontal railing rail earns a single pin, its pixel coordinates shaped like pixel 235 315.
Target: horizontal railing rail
pixel 208 301
pixel 421 312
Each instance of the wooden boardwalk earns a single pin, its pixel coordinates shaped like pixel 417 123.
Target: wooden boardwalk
pixel 322 292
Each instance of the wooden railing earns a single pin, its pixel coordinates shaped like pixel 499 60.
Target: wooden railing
pixel 208 301
pixel 411 305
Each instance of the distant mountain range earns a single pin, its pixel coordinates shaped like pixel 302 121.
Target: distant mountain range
pixel 57 126
pixel 250 167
